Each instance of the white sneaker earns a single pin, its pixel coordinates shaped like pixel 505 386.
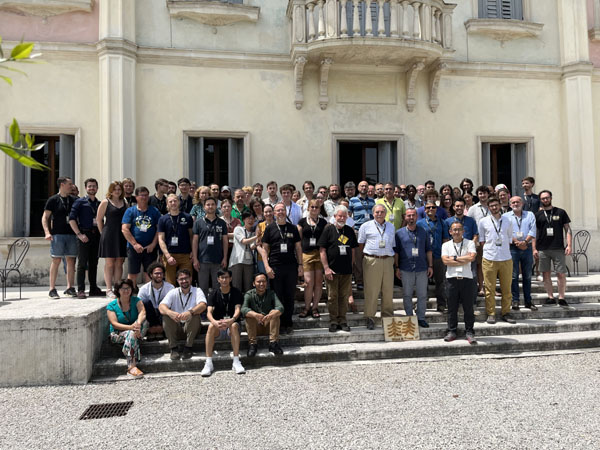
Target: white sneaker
pixel 208 370
pixel 540 278
pixel 238 368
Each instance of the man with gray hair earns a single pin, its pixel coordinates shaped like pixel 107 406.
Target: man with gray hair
pixel 337 248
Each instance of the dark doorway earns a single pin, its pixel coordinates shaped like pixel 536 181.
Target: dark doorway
pixel 500 164
pixel 358 161
pixel 43 183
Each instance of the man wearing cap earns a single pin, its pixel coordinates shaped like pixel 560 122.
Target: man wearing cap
pixel 225 193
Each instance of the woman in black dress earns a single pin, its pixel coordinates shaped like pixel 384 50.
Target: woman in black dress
pixel 113 247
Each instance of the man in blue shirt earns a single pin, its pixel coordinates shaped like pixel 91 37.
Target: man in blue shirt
pixel 431 195
pixel 175 239
pixel 437 231
pixel 139 226
pixel 414 264
pixel 361 208
pixel 82 219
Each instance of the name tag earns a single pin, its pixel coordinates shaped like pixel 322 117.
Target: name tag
pixel 342 250
pixel 555 217
pixel 174 241
pixel 94 222
pixel 289 235
pixel 210 240
pixel 312 242
pixel 431 240
pixel 415 252
pixel 382 244
pixel 519 235
pixel 391 218
pixel 143 228
pixel 283 248
pixel 499 242
pixel 549 231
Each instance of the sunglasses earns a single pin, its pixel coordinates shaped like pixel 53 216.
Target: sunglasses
pixel 431 207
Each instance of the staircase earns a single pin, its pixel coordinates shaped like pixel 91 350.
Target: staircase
pixel 548 329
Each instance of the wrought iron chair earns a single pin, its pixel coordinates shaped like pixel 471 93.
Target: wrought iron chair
pixel 581 241
pixel 16 254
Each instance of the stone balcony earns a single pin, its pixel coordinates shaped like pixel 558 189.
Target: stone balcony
pixel 411 34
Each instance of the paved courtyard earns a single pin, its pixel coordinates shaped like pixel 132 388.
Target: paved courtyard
pixel 534 402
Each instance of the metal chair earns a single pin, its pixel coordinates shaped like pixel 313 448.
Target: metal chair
pixel 16 254
pixel 581 241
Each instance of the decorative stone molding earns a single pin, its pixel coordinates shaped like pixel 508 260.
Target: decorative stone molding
pixel 323 97
pixel 46 8
pixel 116 46
pixel 434 84
pixel 411 84
pixel 504 29
pixel 594 33
pixel 299 64
pixel 213 13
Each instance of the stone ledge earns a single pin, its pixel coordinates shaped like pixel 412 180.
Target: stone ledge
pixel 594 34
pixel 46 8
pixel 212 12
pixel 503 29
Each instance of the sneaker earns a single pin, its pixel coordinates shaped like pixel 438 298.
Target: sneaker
pixel 97 292
pixel 540 278
pixel 81 294
pixel 451 336
pixel 238 368
pixel 370 324
pixel 110 294
pixel 491 320
pixel 531 306
pixel 471 338
pixel 563 303
pixel 53 294
pixel 175 354
pixel 550 301
pixel 515 306
pixel 275 348
pixel 71 292
pixel 344 327
pixel 423 323
pixel 208 370
pixel 187 353
pixel 252 350
pixel 508 319
pixel 333 328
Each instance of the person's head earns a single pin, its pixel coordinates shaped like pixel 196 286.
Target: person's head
pixel 141 196
pixel 363 188
pixel 494 204
pixel 272 188
pixel 238 197
pixel 128 186
pixel 65 185
pixel 527 183
pixel 280 212
pixel 483 192
pixel 286 192
pixel 456 231
pixel 340 213
pixel 411 191
pixel 210 205
pixel 156 272
pixel 334 191
pixel 296 196
pixel 430 209
pixel 447 201
pixel 503 196
pixel 257 206
pixel 420 190
pixel 388 190
pixel 74 190
pixel 260 283
pixel 396 191
pixel 248 219
pixel 546 198
pixel 247 194
pixel 257 190
pixel 459 207
pixel 202 193
pixel 466 185
pixel 430 184
pixel 379 190
pixel 224 278
pixel 172 189
pixel 308 187
pixel 115 191
pixel 161 186
pixel 456 192
pixel 411 216
pixel 193 187
pixel 268 213
pixel 225 192
pixel 371 191
pixel 123 289
pixel 91 186
pixel 350 189
pixel 516 204
pixel 445 189
pixel 468 197
pixel 324 191
pixel 184 279
pixel 379 213
pixel 173 204
pixel 214 190
pixel 431 195
pixel 184 185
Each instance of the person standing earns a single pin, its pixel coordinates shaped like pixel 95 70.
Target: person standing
pixel 458 255
pixel 334 199
pixel 186 200
pixel 478 212
pixel 531 201
pixel 128 190
pixel 395 208
pixel 159 199
pixel 552 224
pixel 175 238
pixel 361 208
pixel 242 260
pixel 57 230
pixel 376 240
pixel 82 219
pixel 293 212
pixel 272 198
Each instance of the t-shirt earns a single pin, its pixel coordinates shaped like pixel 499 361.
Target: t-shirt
pixel 126 318
pixel 160 204
pixel 437 231
pixel 143 224
pixel 224 304
pixel 187 204
pixel 452 249
pixel 155 296
pixel 311 231
pixel 210 239
pixel 394 210
pixel 179 302
pixel 334 240
pixel 554 219
pixel 60 208
pixel 274 236
pixel 178 228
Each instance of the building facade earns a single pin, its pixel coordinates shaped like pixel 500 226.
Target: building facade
pixel 240 91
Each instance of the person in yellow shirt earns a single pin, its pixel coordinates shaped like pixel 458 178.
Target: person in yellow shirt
pixel 394 207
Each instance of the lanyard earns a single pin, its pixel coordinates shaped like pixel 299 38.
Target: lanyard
pixel 93 205
pixel 364 203
pixel 66 204
pixel 484 212
pixel 497 228
pixel 312 227
pixel 280 233
pixel 519 222
pixel 388 206
pixel 175 224
pixel 187 300
pixel 211 228
pixel 159 293
pixel 381 232
pixel 549 217
pixel 126 314
pixel 414 236
pixel 432 230
pixel 459 250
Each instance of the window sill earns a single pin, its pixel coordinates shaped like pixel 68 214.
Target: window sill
pixel 212 12
pixel 503 29
pixel 46 8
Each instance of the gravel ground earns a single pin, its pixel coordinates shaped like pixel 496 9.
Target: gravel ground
pixel 538 402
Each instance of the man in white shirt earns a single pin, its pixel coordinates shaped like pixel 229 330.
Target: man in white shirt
pixel 181 309
pixel 334 199
pixel 272 199
pixel 495 234
pixel 376 240
pixel 478 212
pixel 293 211
pixel 151 294
pixel 457 255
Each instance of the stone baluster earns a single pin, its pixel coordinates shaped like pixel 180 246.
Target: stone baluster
pixel 394 18
pixel 311 21
pixel 355 18
pixel 404 26
pixel 426 22
pixel 368 19
pixel 299 23
pixel 344 19
pixel 438 25
pixel 381 20
pixel 416 34
pixel 321 20
pixel 447 30
pixel 331 19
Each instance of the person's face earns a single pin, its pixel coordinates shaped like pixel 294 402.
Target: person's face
pixel 158 275
pixel 503 196
pixel 295 196
pixel 516 204
pixel 268 213
pixel 286 195
pixel 258 209
pixel 239 197
pixel 371 191
pixel 320 198
pixel 388 190
pixel 124 291
pixel 211 207
pixel 456 191
pixel 431 198
pixel 379 214
pixel 224 280
pixel 203 195
pixel 397 192
pixel 494 207
pixel 173 204
pixel 323 192
pixel 163 187
pixel 526 184
pixel 403 191
pixel 173 189
pixel 66 188
pixel 247 197
pixel 280 211
pixel 334 192
pixel 483 196
pixel 75 190
pixel 468 199
pixel 363 188
pixel 466 186
pixel 272 190
pixel 430 186
pixel 341 217
pixel 430 210
pixel 249 222
pixel 184 281
pixel 411 191
pixel 448 201
pixel 214 190
pixel 459 208
pixel 350 192
pixel 379 190
pixel 142 198
pixel 116 193
pixel 456 231
pixel 260 283
pixel 308 189
pixel 128 187
pixel 91 189
pixel 446 191
pixel 546 199
pixel 420 189
pixel 411 216
pixel 184 188
pixel 257 192
pixel 226 194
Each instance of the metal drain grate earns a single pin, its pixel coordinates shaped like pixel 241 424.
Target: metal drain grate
pixel 104 410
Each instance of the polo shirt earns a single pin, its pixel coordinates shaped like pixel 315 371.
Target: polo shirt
pixel 84 212
pixel 361 209
pixel 274 236
pixel 469 226
pixel 333 240
pixel 262 304
pixel 224 304
pixel 205 228
pixel 556 219
pixel 143 224
pixel 178 227
pixel 523 226
pixel 452 249
pixel 394 211
pixel 179 302
pixel 478 212
pixel 407 240
pixel 60 207
pixel 155 296
pixel 440 213
pixel 372 233
pixel 437 231
pixel 491 230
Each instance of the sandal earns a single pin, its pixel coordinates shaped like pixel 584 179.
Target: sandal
pixel 315 313
pixel 135 372
pixel 304 314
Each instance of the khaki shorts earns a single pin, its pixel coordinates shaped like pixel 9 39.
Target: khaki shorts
pixel 556 256
pixel 311 261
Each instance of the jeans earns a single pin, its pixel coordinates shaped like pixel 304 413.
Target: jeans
pixel 153 316
pixel 410 281
pixel 524 260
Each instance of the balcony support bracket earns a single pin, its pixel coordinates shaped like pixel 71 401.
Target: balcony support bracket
pixel 434 84
pixel 411 83
pixel 299 64
pixel 323 85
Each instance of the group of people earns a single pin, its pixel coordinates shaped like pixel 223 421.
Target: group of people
pixel 247 253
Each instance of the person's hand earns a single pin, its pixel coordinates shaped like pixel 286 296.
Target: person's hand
pixel 185 316
pixel 150 248
pixel 398 274
pixel 48 236
pixel 568 250
pixel 82 237
pixel 536 254
pixel 260 318
pixel 267 318
pixel 174 316
pixel 429 272
pixel 329 273
pixel 270 272
pixel 135 326
pixel 171 261
pixel 224 263
pixel 138 248
pixel 196 264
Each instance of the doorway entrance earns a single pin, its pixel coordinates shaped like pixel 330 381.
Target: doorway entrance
pixel 372 161
pixel 505 163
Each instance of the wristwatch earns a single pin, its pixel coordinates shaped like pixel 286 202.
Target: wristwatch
pixel 455 257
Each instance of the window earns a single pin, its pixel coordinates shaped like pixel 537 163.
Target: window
pixel 506 163
pixel 501 9
pixel 217 160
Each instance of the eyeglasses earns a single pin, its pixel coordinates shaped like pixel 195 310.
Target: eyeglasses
pixel 431 207
pixel 125 288
pixel 314 207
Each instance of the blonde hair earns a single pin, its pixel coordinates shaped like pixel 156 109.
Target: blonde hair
pixel 199 189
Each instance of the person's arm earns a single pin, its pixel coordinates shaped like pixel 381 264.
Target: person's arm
pixel 298 247
pixel 195 261
pixel 429 264
pixel 328 272
pixel 73 223
pixel 265 252
pixel 112 318
pixel 569 248
pixel 225 243
pixel 150 248
pixel 166 311
pixel 126 230
pixel 100 214
pixel 140 319
pixel 46 224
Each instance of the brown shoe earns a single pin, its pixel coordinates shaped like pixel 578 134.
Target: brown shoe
pixel 134 372
pixel 81 294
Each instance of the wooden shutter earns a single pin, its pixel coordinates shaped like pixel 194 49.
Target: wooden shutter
pixel 66 156
pixel 235 162
pixel 486 169
pixel 196 160
pixel 21 206
pixel 518 167
pixel 501 9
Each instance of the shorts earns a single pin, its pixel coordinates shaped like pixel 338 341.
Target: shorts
pixel 547 257
pixel 311 261
pixel 224 335
pixel 135 260
pixel 63 245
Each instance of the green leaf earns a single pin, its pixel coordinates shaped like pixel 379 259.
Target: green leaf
pixel 25 160
pixel 15 132
pixel 8 80
pixel 12 69
pixel 22 51
pixel 29 140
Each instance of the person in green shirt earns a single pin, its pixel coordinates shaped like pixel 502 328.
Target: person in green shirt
pixel 394 207
pixel 262 310
pixel 239 206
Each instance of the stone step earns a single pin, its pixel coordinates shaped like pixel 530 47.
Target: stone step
pixel 114 368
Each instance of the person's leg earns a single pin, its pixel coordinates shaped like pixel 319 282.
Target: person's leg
pixel 237 276
pixel 332 299
pixel 204 277
pixel 505 271
pixel 134 261
pixel 453 299
pixel 309 289
pixel 344 291
pixel 545 265
pixel 109 269
pixel 421 288
pixel 562 285
pixel 170 271
pixel 191 329
pixel 251 329
pixel 526 269
pixel 82 263
pixel 408 287
pixel 387 287
pixel 467 292
pixel 291 277
pixel 248 277
pixel 209 342
pixel 516 259
pixel 480 277
pixel 234 332
pixel 172 331
pixel 274 329
pixel 489 280
pixel 153 318
pixel 317 288
pixel 118 268
pixel 54 265
pixel 183 262
pixel 93 261
pixel 439 276
pixel 357 268
pixel 70 271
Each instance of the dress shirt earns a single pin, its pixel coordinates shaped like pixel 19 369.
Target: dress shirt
pixel 492 230
pixel 522 227
pixel 407 240
pixel 361 209
pixel 463 248
pixel 371 234
pixel 469 226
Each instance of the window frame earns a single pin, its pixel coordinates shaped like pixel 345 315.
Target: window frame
pixel 526 6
